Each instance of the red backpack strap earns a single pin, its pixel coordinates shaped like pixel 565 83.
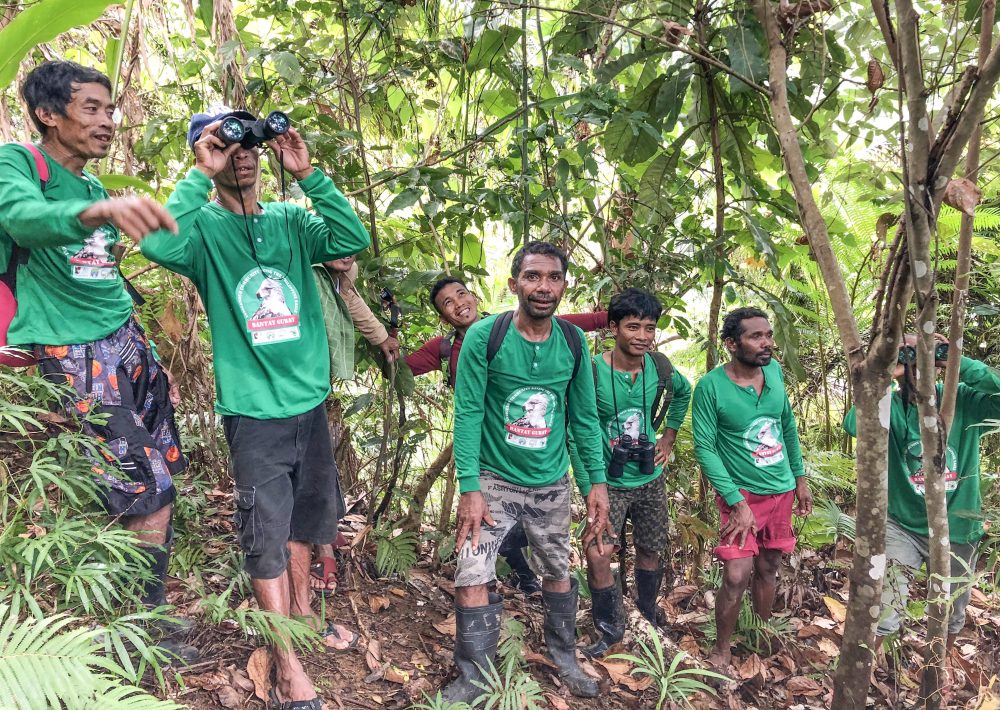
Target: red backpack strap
pixel 40 165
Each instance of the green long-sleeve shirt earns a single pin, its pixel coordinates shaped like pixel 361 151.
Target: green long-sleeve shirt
pixel 743 440
pixel 977 400
pixel 268 335
pixel 70 290
pixel 510 414
pixel 632 417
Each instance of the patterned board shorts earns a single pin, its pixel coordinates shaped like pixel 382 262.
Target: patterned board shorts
pixel 646 507
pixel 119 377
pixel 545 515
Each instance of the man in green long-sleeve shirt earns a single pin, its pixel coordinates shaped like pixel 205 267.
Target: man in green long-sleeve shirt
pixel 58 232
pixel 637 388
pixel 520 381
pixel 748 447
pixel 906 534
pixel 251 263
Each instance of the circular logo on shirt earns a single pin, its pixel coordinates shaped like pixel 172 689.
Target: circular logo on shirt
pixel 528 415
pixel 915 466
pixel 270 306
pixel 761 438
pixel 629 421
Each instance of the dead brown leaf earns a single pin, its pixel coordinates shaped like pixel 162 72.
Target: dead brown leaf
pixel 398 592
pixel 212 680
pixel 963 195
pixel 51 418
pixel 555 702
pixel 446 626
pixel 828 647
pixel 396 675
pixel 535 657
pixel 679 594
pixel 752 669
pixel 239 679
pixel 377 603
pixel 420 659
pixel 802 685
pixel 229 697
pixel 259 671
pixel 810 630
pixel 837 609
pixel 618 671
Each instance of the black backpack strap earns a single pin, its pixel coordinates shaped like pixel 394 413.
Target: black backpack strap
pixel 664 388
pixel 444 355
pixel 497 333
pixel 573 340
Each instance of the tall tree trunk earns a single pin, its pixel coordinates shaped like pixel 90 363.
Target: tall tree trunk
pixel 870 377
pixel 423 488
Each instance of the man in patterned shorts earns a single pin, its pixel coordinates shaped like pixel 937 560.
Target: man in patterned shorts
pixel 58 230
pixel 637 388
pixel 521 380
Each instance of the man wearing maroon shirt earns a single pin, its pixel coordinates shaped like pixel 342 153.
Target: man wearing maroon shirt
pixel 459 308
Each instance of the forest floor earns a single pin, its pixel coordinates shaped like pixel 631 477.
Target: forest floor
pixel 407 628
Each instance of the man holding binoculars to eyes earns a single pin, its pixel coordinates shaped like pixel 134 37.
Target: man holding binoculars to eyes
pixel 637 388
pixel 748 447
pixel 252 265
pixel 906 533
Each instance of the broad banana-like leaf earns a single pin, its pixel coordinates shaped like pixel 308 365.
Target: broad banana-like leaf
pixel 41 22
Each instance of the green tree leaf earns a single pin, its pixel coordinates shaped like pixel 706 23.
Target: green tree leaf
pixel 492 47
pixel 630 138
pixel 120 182
pixel 41 22
pixel 746 56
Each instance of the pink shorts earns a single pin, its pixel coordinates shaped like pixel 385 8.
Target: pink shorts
pixel 774 525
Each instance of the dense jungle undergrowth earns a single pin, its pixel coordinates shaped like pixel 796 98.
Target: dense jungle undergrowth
pixel 716 152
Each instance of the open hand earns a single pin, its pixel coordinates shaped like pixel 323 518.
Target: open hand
pixel 136 216
pixel 291 150
pixel 740 524
pixel 472 513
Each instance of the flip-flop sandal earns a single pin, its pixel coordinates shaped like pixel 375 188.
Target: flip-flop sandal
pixel 313 704
pixel 331 632
pixel 324 570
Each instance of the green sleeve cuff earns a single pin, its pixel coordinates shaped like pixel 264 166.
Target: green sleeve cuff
pixel 733 498
pixel 200 178
pixel 601 477
pixel 467 484
pixel 316 178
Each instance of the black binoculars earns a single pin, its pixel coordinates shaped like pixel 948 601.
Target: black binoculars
pixel 252 133
pixel 909 354
pixel 629 449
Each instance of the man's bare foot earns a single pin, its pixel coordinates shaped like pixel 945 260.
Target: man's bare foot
pixel 721 660
pixel 292 683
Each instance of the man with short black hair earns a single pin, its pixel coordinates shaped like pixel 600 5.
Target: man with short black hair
pixel 459 309
pixel 58 234
pixel 521 381
pixel 637 389
pixel 748 447
pixel 252 265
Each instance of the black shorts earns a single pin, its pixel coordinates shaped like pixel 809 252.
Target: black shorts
pixel 119 378
pixel 646 507
pixel 286 486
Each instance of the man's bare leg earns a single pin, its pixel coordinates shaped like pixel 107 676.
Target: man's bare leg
pixel 301 594
pixel 150 529
pixel 291 683
pixel 765 582
pixel 735 577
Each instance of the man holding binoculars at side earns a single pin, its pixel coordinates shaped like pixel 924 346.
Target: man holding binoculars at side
pixel 252 265
pixel 748 447
pixel 637 388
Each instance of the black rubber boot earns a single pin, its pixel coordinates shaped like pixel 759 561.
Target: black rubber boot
pixel 168 633
pixel 609 619
pixel 477 633
pixel 647 588
pixel 522 576
pixel 560 638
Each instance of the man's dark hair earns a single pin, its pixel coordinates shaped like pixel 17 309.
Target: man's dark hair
pixel 51 86
pixel 732 326
pixel 636 303
pixel 440 284
pixel 539 248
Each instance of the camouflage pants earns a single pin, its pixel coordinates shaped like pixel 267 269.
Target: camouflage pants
pixel 545 515
pixel 646 507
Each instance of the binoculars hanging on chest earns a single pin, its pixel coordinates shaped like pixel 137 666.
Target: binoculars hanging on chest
pixel 629 449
